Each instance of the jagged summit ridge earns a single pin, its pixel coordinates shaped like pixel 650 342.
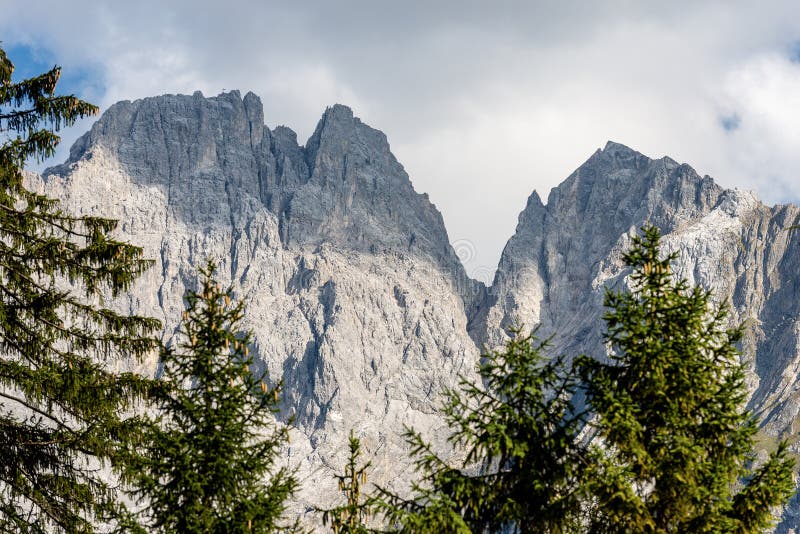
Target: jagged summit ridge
pixel 585 222
pixel 355 295
pixel 566 240
pixel 555 269
pixel 344 187
pixel 353 292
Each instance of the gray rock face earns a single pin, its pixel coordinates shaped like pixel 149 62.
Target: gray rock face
pixel 344 188
pixel 555 270
pixel 548 272
pixel 355 295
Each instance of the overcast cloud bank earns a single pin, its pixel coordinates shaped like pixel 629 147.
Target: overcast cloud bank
pixel 482 103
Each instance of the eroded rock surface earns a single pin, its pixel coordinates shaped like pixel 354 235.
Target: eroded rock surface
pixel 353 291
pixel 556 268
pixel 354 294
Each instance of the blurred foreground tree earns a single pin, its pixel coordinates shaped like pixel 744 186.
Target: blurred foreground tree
pixel 62 406
pixel 208 462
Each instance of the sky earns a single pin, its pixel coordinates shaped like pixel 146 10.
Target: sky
pixel 482 102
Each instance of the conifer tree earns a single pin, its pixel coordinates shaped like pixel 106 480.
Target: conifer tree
pixel 523 458
pixel 208 464
pixel 677 444
pixel 60 419
pixel 352 517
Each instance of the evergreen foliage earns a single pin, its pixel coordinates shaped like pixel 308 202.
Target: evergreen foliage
pixel 677 444
pixel 521 471
pixel 61 415
pixel 351 517
pixel 209 461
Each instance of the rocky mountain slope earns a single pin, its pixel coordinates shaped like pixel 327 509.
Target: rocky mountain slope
pixel 352 288
pixel 554 270
pixel 355 295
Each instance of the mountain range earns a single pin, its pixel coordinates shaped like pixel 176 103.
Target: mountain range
pixel 355 296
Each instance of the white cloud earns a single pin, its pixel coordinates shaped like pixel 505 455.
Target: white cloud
pixel 765 94
pixel 481 104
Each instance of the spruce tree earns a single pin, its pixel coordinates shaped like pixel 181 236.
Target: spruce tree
pixel 521 472
pixel 676 451
pixel 352 516
pixel 60 420
pixel 208 463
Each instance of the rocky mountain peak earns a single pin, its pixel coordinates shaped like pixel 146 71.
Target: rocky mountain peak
pixel 614 148
pixel 619 186
pixel 338 135
pixel 549 269
pixel 615 156
pixel 354 294
pixel 343 188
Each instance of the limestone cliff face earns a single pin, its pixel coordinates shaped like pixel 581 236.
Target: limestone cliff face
pixel 556 268
pixel 354 294
pixel 353 291
pixel 563 253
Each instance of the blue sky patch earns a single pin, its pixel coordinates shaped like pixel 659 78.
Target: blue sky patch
pixel 794 52
pixel 84 82
pixel 730 122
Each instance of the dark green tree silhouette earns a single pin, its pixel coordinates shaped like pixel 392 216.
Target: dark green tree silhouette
pixel 521 472
pixel 677 444
pixel 61 415
pixel 208 464
pixel 352 516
